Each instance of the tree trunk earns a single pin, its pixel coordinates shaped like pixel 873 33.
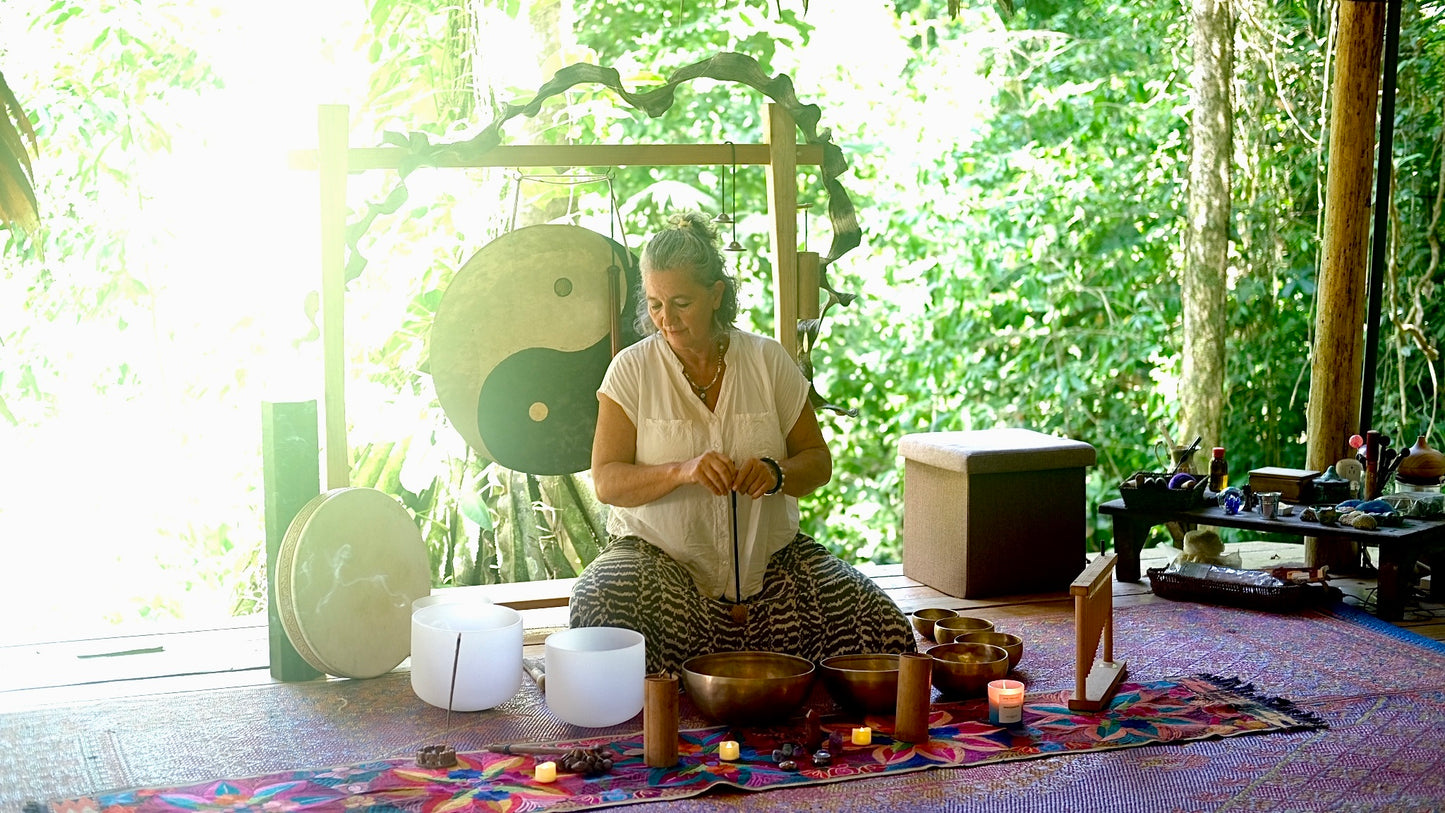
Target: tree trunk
pixel 1203 284
pixel 1335 370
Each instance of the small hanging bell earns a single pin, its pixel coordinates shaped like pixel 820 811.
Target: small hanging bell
pixel 734 246
pixel 723 218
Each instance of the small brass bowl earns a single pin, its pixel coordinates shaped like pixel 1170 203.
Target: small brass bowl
pixel 1008 642
pixel 966 669
pixel 744 688
pixel 948 630
pixel 863 682
pixel 924 618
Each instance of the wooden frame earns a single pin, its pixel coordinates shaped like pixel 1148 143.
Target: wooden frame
pixel 335 159
pixel 1097 678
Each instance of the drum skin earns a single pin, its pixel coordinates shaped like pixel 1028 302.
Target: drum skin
pixel 350 566
pixel 521 341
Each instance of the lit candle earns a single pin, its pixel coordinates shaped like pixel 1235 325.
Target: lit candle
pixel 1005 702
pixel 546 772
pixel 863 736
pixel 729 750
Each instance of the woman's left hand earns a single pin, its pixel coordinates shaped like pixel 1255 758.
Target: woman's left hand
pixel 754 478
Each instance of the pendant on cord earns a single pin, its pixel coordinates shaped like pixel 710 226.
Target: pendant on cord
pixel 740 614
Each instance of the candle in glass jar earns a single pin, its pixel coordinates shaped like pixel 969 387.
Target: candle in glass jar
pixel 546 772
pixel 1005 702
pixel 863 736
pixel 729 750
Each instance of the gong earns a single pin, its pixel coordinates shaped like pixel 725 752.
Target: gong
pixel 350 566
pixel 521 340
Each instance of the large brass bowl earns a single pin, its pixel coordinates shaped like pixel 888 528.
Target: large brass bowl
pixel 924 617
pixel 1008 642
pixel 863 682
pixel 966 669
pixel 747 688
pixel 948 630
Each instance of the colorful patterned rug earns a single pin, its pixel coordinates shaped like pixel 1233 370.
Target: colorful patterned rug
pixel 1380 690
pixel 1141 714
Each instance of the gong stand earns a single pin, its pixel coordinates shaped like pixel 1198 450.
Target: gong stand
pixel 796 275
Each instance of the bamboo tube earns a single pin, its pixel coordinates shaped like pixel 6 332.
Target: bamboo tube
pixel 659 720
pixel 915 695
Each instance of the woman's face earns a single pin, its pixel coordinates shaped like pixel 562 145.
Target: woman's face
pixel 680 307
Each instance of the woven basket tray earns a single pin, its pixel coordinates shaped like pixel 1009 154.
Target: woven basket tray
pixel 1283 598
pixel 1158 499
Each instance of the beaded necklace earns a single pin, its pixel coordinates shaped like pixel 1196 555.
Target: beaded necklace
pixel 701 392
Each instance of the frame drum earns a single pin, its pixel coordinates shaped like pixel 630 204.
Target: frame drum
pixel 350 566
pixel 522 339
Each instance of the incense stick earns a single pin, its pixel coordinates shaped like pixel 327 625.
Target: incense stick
pixel 456 659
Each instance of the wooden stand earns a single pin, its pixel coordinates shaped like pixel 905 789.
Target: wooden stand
pixel 1098 678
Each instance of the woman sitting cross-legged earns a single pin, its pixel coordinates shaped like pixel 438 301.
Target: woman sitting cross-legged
pixel 705 441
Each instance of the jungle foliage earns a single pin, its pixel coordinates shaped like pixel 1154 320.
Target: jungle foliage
pixel 1020 182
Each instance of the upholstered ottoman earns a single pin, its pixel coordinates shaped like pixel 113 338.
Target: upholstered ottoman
pixel 993 512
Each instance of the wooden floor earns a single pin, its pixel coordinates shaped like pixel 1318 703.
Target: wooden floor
pixel 63 672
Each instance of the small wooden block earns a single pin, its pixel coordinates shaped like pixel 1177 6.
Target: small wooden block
pixel 1099 687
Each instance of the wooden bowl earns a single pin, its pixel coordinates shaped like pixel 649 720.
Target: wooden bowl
pixel 866 683
pixel 966 669
pixel 747 688
pixel 948 630
pixel 924 618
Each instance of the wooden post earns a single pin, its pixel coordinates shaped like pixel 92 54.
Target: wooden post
pixel 781 134
pixel 1335 371
pixel 333 134
pixel 291 472
pixel 1096 678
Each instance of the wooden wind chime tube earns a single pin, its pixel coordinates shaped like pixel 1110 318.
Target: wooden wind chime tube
pixel 915 696
pixel 659 720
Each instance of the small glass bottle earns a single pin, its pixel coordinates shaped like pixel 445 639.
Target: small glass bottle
pixel 1218 471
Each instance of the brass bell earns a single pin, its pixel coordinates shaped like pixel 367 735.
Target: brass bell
pixel 734 246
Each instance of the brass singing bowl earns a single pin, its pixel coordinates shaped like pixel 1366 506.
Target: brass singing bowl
pixel 948 630
pixel 1008 642
pixel 966 669
pixel 747 688
pixel 923 619
pixel 863 682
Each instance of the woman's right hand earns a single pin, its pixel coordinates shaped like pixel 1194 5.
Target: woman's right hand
pixel 711 470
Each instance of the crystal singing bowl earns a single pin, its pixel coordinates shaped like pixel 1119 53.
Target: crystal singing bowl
pixel 739 688
pixel 488 663
pixel 966 669
pixel 863 682
pixel 595 675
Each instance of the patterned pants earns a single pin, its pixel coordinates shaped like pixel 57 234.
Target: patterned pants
pixel 812 604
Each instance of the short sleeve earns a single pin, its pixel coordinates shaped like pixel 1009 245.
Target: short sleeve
pixel 622 382
pixel 790 388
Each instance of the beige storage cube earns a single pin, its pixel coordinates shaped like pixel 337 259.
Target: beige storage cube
pixel 994 512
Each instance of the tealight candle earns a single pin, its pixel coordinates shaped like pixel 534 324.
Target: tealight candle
pixel 1005 702
pixel 863 736
pixel 546 772
pixel 729 750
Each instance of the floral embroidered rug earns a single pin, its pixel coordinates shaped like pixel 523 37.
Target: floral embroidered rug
pixel 1379 689
pixel 1164 711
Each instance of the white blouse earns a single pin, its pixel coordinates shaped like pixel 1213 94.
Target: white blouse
pixel 762 395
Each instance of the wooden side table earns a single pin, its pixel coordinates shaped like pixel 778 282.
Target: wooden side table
pixel 1400 547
